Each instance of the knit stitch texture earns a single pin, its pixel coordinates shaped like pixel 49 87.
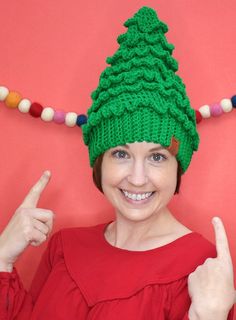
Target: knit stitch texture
pixel 139 96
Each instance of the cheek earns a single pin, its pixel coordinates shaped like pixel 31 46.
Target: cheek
pixel 112 175
pixel 111 180
pixel 166 179
pixel 171 180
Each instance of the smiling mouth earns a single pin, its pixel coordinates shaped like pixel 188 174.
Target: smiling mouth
pixel 137 196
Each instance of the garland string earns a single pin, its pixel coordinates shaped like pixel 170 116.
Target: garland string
pixel 13 100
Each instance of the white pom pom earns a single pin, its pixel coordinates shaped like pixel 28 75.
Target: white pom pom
pixel 70 119
pixel 47 114
pixel 3 93
pixel 205 111
pixel 226 105
pixel 24 105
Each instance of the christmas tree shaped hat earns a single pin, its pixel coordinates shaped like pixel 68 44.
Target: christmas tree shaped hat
pixel 140 97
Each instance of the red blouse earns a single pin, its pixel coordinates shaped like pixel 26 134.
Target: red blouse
pixel 81 276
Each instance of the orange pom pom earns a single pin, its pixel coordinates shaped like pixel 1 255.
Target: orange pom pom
pixel 12 100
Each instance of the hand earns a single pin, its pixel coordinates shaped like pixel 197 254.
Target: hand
pixel 211 285
pixel 29 225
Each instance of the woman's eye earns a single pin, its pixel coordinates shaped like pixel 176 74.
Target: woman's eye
pixel 157 157
pixel 120 154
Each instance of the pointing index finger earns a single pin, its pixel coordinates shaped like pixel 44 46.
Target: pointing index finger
pixel 222 245
pixel 32 198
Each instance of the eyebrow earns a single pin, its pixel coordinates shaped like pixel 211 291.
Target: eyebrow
pixel 157 148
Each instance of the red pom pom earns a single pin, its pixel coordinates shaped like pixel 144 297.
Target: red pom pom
pixel 198 116
pixel 35 110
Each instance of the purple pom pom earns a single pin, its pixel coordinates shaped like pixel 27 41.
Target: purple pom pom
pixel 216 110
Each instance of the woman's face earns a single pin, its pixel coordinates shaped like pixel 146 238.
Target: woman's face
pixel 139 179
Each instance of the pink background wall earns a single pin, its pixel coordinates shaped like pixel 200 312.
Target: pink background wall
pixel 53 52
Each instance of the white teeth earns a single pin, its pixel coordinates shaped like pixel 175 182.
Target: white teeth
pixel 137 196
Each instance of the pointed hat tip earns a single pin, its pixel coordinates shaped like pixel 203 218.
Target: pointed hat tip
pixel 147 20
pixel 146 9
pixel 146 12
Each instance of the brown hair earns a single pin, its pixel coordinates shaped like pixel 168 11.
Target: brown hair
pixel 97 174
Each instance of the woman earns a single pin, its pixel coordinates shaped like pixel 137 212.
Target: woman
pixel 141 134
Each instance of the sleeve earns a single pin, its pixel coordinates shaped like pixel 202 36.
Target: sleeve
pixel 231 314
pixel 15 302
pixel 186 316
pixel 180 301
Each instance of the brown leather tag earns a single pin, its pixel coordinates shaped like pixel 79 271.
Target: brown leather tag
pixel 174 146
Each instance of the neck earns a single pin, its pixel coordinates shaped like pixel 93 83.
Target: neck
pixel 140 235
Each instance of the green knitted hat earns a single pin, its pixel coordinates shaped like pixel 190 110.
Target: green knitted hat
pixel 139 96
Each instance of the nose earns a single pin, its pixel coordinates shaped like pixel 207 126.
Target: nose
pixel 137 175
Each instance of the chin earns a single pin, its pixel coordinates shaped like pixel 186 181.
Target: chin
pixel 135 215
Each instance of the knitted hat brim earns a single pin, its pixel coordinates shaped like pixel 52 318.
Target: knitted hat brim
pixel 131 127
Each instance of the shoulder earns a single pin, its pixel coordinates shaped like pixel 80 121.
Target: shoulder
pixel 192 243
pixel 78 233
pixel 64 242
pixel 77 237
pixel 195 244
pixel 201 246
pixel 73 232
pixel 190 251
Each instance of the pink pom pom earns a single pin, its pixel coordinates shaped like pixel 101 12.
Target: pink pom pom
pixel 216 110
pixel 59 117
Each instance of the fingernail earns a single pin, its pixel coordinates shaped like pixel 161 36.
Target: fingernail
pixel 215 220
pixel 47 173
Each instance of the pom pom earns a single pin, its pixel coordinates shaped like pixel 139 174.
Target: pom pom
pixel 12 100
pixel 205 111
pixel 59 117
pixel 81 119
pixel 233 100
pixel 3 93
pixel 47 114
pixel 70 119
pixel 226 105
pixel 24 105
pixel 198 116
pixel 35 110
pixel 216 110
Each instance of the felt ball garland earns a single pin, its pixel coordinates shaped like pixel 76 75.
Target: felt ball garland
pixel 13 100
pixel 47 114
pixel 198 116
pixel 59 117
pixel 35 110
pixel 233 99
pixel 24 105
pixel 216 109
